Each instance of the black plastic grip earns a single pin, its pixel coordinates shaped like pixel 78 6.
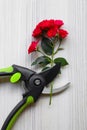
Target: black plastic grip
pixel 11 115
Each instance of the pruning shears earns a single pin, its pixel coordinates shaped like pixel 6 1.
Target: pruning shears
pixel 34 85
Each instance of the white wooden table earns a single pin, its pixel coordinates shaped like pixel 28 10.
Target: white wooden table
pixel 17 20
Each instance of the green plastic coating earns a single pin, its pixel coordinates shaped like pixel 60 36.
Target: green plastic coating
pixel 15 77
pixel 29 101
pixel 9 69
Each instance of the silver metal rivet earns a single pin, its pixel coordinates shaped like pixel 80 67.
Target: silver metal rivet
pixel 37 82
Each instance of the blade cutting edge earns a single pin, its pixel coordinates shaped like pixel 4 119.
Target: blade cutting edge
pixel 46 91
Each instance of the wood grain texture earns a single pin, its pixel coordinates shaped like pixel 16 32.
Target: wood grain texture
pixel 17 20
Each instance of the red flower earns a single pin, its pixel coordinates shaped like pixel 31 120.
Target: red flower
pixel 48 27
pixel 32 47
pixel 37 32
pixel 52 32
pixel 62 33
pixel 46 24
pixel 58 23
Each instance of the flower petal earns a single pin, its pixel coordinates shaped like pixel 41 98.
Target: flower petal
pixel 32 47
pixel 62 33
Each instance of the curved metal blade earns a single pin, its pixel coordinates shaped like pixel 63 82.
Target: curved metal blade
pixel 51 73
pixel 56 90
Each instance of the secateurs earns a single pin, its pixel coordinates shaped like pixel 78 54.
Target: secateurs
pixel 34 84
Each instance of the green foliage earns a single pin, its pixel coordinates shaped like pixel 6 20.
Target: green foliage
pixel 42 60
pixel 47 46
pixel 61 60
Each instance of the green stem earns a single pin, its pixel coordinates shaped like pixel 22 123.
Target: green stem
pixel 52 63
pixel 57 48
pixel 41 52
pixel 51 91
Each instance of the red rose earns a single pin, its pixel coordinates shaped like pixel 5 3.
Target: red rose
pixel 58 23
pixel 62 33
pixel 52 32
pixel 32 47
pixel 46 24
pixel 37 32
pixel 48 27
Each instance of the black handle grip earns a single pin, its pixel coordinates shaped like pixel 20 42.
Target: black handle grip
pixel 12 117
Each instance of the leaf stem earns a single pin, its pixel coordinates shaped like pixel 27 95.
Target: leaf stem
pixel 41 52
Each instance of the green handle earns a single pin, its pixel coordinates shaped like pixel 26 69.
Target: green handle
pixel 12 117
pixel 7 70
pixel 15 76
